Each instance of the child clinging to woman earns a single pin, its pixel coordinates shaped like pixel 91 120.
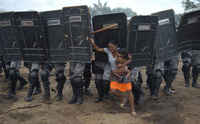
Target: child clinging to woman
pixel 120 81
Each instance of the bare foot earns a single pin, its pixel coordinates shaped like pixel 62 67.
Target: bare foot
pixel 133 113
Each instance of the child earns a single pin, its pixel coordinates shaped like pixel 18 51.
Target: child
pixel 120 81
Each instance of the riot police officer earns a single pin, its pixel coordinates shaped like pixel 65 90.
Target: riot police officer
pixel 77 83
pixel 14 76
pixel 34 87
pixel 170 71
pixel 154 78
pixel 87 78
pixel 191 59
pixel 60 78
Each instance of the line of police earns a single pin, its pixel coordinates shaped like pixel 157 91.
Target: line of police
pixel 80 77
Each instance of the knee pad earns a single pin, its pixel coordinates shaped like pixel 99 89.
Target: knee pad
pixel 44 76
pixel 33 76
pixel 60 76
pixel 13 74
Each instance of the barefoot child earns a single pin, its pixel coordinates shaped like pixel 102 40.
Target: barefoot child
pixel 120 81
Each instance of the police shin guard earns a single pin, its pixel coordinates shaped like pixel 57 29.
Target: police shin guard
pixel 106 88
pixel 100 90
pixel 46 83
pixel 195 73
pixel 12 83
pixel 37 90
pixel 186 74
pixel 80 95
pixel 60 78
pixel 75 94
pixel 23 82
pixel 33 79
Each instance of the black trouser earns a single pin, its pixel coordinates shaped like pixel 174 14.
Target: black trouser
pixel 34 82
pixel 137 89
pixel 13 77
pixel 87 79
pixel 46 84
pixel 100 87
pixel 169 77
pixel 60 78
pixel 155 80
pixel 195 74
pixel 186 72
pixel 77 87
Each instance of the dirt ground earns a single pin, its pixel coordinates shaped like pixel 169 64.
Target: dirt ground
pixel 181 108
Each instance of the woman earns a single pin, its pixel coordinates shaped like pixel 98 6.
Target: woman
pixel 114 56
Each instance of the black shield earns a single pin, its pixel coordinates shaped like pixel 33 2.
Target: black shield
pixel 141 39
pixel 8 37
pixel 30 36
pixel 166 43
pixel 77 28
pixel 54 32
pixel 117 34
pixel 188 31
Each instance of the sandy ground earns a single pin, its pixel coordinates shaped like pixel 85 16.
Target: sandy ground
pixel 181 108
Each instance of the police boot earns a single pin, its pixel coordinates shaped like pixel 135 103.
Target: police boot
pixel 12 84
pixel 37 89
pixel 60 90
pixel 46 96
pixel 11 91
pixel 194 81
pixel 80 95
pixel 100 90
pixel 106 89
pixel 195 85
pixel 74 96
pixel 23 82
pixel 28 98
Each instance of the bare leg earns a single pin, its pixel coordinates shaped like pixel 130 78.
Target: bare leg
pixel 131 102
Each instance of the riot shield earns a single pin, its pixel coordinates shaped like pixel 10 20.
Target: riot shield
pixel 188 33
pixel 141 39
pixel 54 32
pixel 10 46
pixel 117 33
pixel 166 43
pixel 31 37
pixel 77 28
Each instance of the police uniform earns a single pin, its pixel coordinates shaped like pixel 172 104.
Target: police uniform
pixel 77 83
pixel 154 78
pixel 14 76
pixel 87 78
pixel 98 69
pixel 60 78
pixel 44 75
pixel 34 87
pixel 136 80
pixel 170 71
pixel 191 59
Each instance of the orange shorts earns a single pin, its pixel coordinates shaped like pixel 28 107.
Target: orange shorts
pixel 122 87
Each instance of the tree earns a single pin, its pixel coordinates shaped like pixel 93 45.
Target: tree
pixel 127 11
pixel 100 9
pixel 103 8
pixel 189 4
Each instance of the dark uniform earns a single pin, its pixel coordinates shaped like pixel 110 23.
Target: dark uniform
pixel 87 78
pixel 77 83
pixel 170 71
pixel 60 78
pixel 34 87
pixel 14 76
pixel 98 69
pixel 136 80
pixel 191 60
pixel 154 78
